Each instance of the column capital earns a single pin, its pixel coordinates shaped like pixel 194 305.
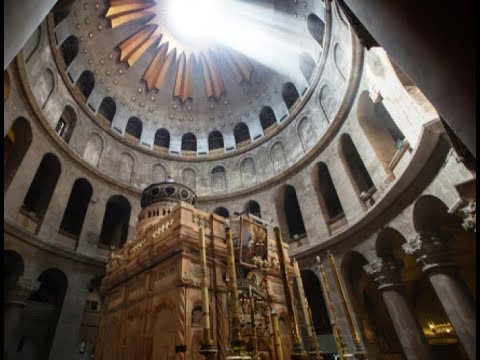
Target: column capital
pixel 469 214
pixel 385 272
pixel 431 249
pixel 22 290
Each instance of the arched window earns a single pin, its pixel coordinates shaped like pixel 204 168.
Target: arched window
pixel 116 220
pixel 222 212
pixel 267 117
pixel 86 83
pixel 74 215
pixel 241 134
pixel 215 140
pixel 289 94
pixel 316 27
pixel 51 293
pixel 61 10
pixel 66 123
pixel 41 189
pixel 69 49
pixel 189 142
pixel 296 227
pixel 15 146
pixel 219 180
pixel 327 194
pixel 355 167
pixel 307 65
pixel 107 109
pixel 162 139
pixel 134 129
pixel 380 129
pixel 252 207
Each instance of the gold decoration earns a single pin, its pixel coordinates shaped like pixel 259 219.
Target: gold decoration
pixel 173 53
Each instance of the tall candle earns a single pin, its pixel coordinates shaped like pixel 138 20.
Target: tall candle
pixel 204 287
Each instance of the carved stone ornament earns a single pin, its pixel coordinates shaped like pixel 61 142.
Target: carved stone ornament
pixel 168 191
pixel 22 290
pixel 469 214
pixel 385 272
pixel 432 250
pixel 375 94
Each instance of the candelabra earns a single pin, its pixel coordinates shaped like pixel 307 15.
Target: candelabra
pixel 276 336
pixel 237 344
pixel 207 349
pixel 298 351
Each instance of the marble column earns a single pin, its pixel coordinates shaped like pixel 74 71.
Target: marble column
pixel 15 302
pixel 386 273
pixel 433 254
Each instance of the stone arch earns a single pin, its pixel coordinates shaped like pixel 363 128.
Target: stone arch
pixel 162 139
pixel 218 179
pixel 107 109
pixel 253 207
pixel 339 59
pixel 115 224
pixel 356 170
pixel 327 195
pixel 15 145
pixel 41 189
pixel 289 214
pixel 430 215
pixel 316 28
pixel 267 118
pixel 189 143
pixel 85 84
pixel 159 173
pixel 13 269
pixel 189 178
pixel 133 131
pixel 307 65
pixel 278 157
pixel 69 50
pixel 388 240
pixel 93 150
pixel 248 172
pixel 126 163
pixel 32 44
pixel 241 134
pixel 221 211
pixel 45 87
pixel 327 102
pixel 306 133
pixel 76 210
pixel 61 10
pixel 66 123
pixel 290 95
pixel 215 140
pixel 380 129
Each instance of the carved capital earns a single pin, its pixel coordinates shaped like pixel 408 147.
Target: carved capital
pixel 22 290
pixel 469 214
pixel 431 249
pixel 374 94
pixel 385 272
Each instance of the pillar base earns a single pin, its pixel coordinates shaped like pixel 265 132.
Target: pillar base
pixel 208 351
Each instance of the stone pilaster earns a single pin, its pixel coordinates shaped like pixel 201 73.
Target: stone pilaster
pixel 386 273
pixel 433 254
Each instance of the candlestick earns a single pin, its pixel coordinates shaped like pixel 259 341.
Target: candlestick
pixel 298 351
pixel 206 349
pixel 276 336
pixel 315 350
pixel 236 343
pixel 256 355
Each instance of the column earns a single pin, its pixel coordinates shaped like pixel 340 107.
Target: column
pixel 14 304
pixel 433 254
pixel 20 19
pixel 66 339
pixel 386 273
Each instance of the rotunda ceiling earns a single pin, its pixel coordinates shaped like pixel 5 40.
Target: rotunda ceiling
pixel 199 67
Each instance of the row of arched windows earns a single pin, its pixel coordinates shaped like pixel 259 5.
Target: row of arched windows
pixel 251 207
pixel 114 230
